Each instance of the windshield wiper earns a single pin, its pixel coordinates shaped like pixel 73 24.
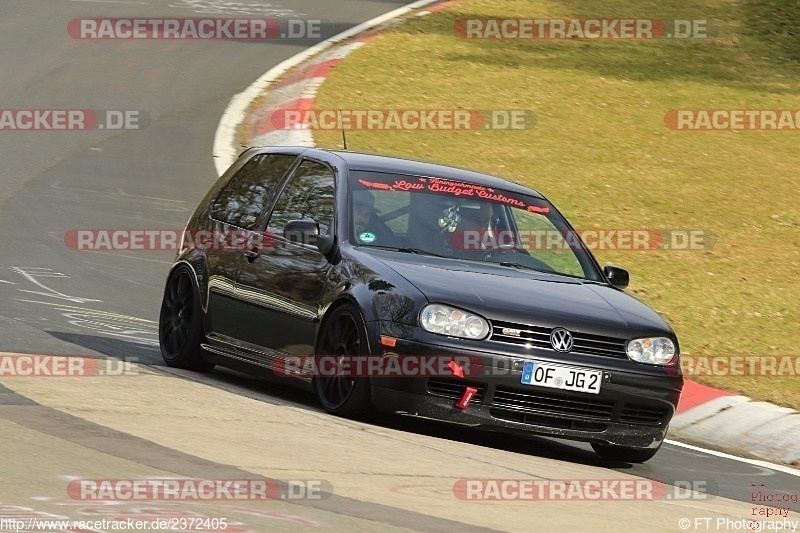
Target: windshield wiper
pixel 419 251
pixel 406 250
pixel 520 266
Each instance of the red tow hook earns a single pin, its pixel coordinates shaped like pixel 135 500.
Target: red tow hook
pixel 469 392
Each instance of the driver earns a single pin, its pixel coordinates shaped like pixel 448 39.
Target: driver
pixel 367 225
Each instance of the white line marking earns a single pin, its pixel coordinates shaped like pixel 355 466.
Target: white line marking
pixel 103 265
pixel 72 307
pixel 755 462
pixel 32 274
pixel 130 255
pixel 54 294
pixel 130 328
pixel 117 193
pixel 223 152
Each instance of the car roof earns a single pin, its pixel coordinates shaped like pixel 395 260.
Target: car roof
pixel 395 165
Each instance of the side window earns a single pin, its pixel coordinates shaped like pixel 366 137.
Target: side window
pixel 250 190
pixel 309 194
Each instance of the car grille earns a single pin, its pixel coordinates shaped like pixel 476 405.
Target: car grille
pixel 551 403
pixel 642 415
pixel 549 409
pixel 539 337
pixel 451 388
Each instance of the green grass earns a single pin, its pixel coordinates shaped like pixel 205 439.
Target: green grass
pixel 602 153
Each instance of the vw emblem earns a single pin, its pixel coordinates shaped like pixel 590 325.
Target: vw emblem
pixel 561 340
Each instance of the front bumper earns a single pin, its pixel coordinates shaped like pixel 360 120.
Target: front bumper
pixel 633 408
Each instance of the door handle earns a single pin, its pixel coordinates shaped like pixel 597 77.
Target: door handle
pixel 252 255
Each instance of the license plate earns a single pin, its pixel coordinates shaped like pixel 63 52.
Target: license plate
pixel 562 377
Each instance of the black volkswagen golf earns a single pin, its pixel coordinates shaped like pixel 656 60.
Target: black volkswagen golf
pixel 418 289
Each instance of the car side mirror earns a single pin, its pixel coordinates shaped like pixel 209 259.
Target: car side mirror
pixel 618 277
pixel 325 244
pixel 302 231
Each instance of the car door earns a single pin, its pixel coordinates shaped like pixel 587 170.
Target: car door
pixel 239 207
pixel 281 287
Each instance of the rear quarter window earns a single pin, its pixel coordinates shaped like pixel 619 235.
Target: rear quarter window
pixel 251 190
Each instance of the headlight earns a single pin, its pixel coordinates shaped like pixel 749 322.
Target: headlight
pixel 446 320
pixel 652 350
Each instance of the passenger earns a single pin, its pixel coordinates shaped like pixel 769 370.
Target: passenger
pixel 476 233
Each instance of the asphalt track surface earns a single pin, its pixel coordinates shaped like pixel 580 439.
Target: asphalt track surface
pixel 54 300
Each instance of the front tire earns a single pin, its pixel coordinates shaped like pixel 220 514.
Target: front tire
pixel 344 335
pixel 624 454
pixel 180 323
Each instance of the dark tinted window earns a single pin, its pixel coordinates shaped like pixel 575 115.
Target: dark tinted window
pixel 308 195
pixel 252 189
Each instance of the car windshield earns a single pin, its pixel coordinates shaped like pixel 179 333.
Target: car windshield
pixel 461 220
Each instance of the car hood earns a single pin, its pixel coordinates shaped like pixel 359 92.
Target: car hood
pixel 527 297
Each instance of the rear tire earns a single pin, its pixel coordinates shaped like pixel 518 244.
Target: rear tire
pixel 625 454
pixel 180 323
pixel 344 335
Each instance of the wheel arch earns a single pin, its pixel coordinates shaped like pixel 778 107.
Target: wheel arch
pixel 200 280
pixel 341 301
pixel 183 352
